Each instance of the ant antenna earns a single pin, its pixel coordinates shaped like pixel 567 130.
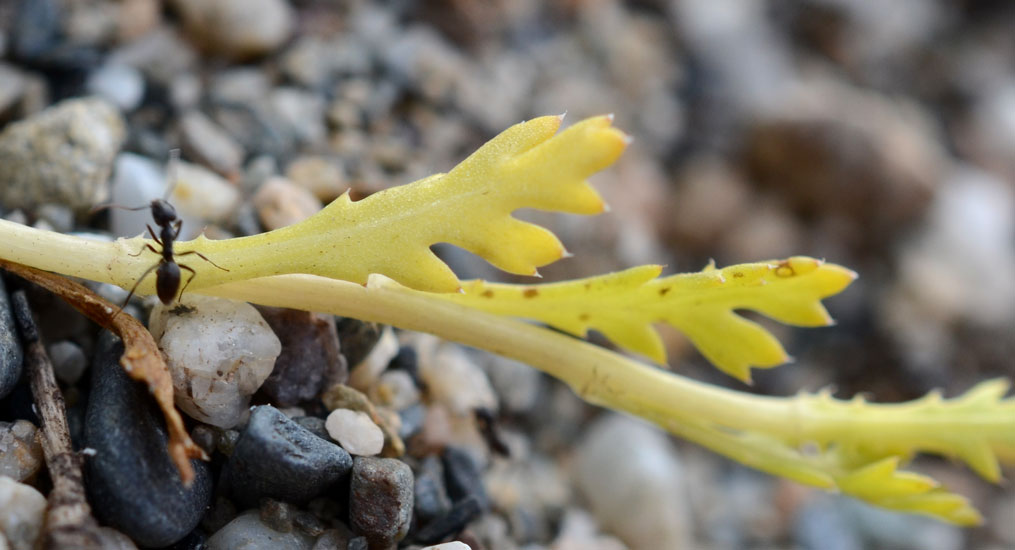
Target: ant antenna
pixel 172 173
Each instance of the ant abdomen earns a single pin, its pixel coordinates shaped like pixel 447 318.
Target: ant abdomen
pixel 167 281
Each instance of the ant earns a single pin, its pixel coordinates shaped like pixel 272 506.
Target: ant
pixel 167 270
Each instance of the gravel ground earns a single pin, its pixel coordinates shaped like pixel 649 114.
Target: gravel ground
pixel 876 135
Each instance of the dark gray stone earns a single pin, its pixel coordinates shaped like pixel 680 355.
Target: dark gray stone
pixel 277 458
pixel 10 346
pixel 358 543
pixel 463 477
pixel 310 360
pixel 358 338
pixel 381 499
pixel 316 426
pixel 451 524
pixel 431 497
pixel 132 483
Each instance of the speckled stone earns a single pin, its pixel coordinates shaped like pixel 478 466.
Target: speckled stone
pixel 380 503
pixel 10 345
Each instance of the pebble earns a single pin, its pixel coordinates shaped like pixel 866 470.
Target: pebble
pixel 453 545
pixel 23 512
pixel 10 345
pixel 364 373
pixel 578 531
pixel 277 458
pixel 454 379
pixel 463 476
pixel 69 361
pixel 219 353
pixel 642 467
pixel 411 419
pixel 396 390
pixel 358 338
pixel 358 543
pixel 820 525
pixel 297 114
pixel 518 386
pixel 280 202
pixel 121 84
pixel 248 532
pixel 310 360
pixel 322 176
pixel 57 215
pixel 381 498
pixel 133 485
pixel 461 514
pixel 314 425
pixel 203 193
pixel 355 432
pixel 239 29
pixel 12 88
pixel 430 494
pixel 63 154
pixel 333 539
pixel 208 143
pixel 20 452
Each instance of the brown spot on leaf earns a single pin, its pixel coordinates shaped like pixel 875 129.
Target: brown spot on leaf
pixel 738 274
pixel 783 269
pixel 530 293
pixel 583 317
pixel 487 293
pixel 664 290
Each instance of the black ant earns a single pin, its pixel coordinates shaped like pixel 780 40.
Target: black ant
pixel 167 270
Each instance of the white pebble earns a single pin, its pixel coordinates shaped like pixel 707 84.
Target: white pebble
pixel 452 378
pixel 23 508
pixel 219 354
pixel 121 84
pixel 355 432
pixel 454 545
pixel 248 532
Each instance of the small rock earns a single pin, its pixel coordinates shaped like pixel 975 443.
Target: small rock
pixel 579 532
pixel 20 451
pixel 463 476
pixel 453 545
pixel 277 458
pixel 133 485
pixel 69 361
pixel 10 345
pixel 219 352
pixel 205 141
pixel 277 515
pixel 358 338
pixel 518 385
pixel 358 543
pixel 323 177
pixel 314 425
pixel 310 360
pixel 63 154
pixel 12 88
pixel 58 215
pixel 248 532
pixel 279 203
pixel 333 539
pixel 23 512
pixel 430 495
pixel 355 432
pixel 396 390
pixel 451 524
pixel 239 29
pixel 454 379
pixel 820 525
pixel 412 419
pixel 364 374
pixel 380 502
pixel 122 85
pixel 203 193
pixel 651 477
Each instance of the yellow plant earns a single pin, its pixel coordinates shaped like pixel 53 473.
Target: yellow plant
pixel 370 259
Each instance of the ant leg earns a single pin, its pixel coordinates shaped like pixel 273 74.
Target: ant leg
pixel 133 288
pixel 189 279
pixel 176 229
pixel 154 235
pixel 202 256
pixel 149 247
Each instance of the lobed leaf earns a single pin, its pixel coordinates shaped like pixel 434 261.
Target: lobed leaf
pixel 624 306
pixel 390 232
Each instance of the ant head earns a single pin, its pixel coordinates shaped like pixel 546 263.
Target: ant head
pixel 163 212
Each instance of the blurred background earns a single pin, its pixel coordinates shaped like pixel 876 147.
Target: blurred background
pixel 876 135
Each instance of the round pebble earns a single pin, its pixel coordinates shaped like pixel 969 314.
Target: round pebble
pixel 277 458
pixel 20 452
pixel 310 360
pixel 355 432
pixel 63 154
pixel 23 511
pixel 239 29
pixel 122 85
pixel 219 353
pixel 209 144
pixel 279 203
pixel 248 532
pixel 69 361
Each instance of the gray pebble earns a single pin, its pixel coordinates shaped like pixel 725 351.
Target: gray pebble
pixel 248 532
pixel 123 85
pixel 381 499
pixel 10 345
pixel 430 495
pixel 69 361
pixel 206 142
pixel 133 485
pixel 463 476
pixel 277 458
pixel 314 425
pixel 20 451
pixel 310 360
pixel 63 154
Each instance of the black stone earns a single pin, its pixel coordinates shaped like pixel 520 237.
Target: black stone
pixel 11 355
pixel 450 524
pixel 463 477
pixel 132 484
pixel 316 426
pixel 380 501
pixel 407 359
pixel 412 418
pixel 358 338
pixel 277 458
pixel 431 497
